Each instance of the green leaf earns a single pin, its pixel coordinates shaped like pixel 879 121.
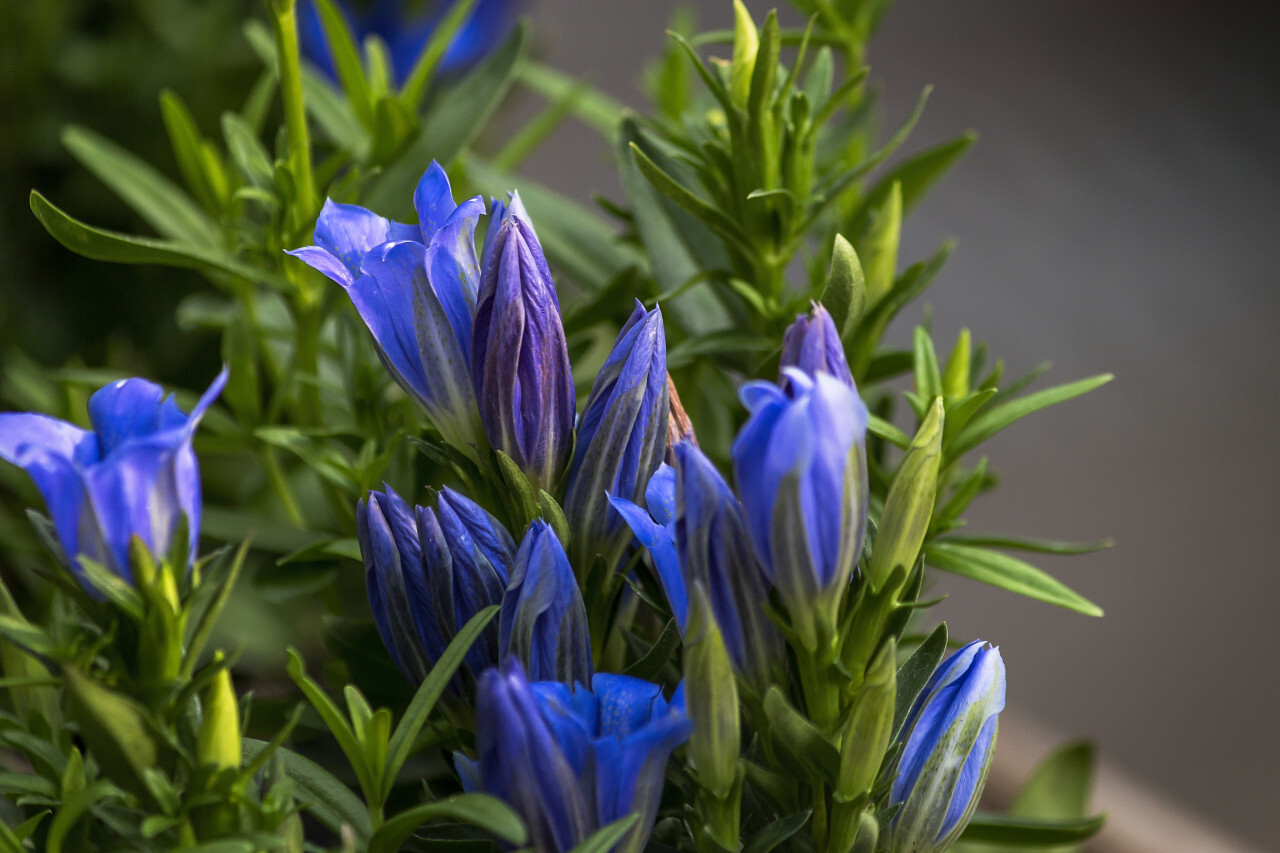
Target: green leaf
pixel 769 837
pixel 442 36
pixel 916 175
pixel 346 61
pixel 928 378
pixel 22 633
pixel 102 245
pixel 879 426
pixel 1038 546
pixel 880 245
pixel 800 737
pixel 845 295
pixel 998 417
pixel 331 801
pixel 71 811
pixel 449 126
pixel 198 162
pixel 606 837
pixel 337 724
pixel 415 716
pixel 1006 572
pixel 1029 832
pixel 249 155
pixel 154 197
pixel 114 729
pixel 717 342
pixel 597 109
pixel 519 490
pixel 915 673
pixel 480 810
pixel 692 204
pixel 659 653
pixel 1057 790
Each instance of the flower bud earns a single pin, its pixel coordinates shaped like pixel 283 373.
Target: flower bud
pixel 218 742
pixel 414 286
pixel 869 726
pixel 543 622
pixel 813 344
pixel 711 696
pixel 519 358
pixel 909 504
pixel 134 475
pixel 802 476
pixel 621 437
pixel 948 740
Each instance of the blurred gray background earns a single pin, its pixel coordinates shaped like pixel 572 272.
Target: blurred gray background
pixel 1119 214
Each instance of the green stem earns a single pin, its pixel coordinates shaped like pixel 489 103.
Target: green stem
pixel 295 112
pixel 281 485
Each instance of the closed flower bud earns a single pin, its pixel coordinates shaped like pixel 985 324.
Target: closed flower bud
pixel 909 504
pixel 621 437
pixel 812 344
pixel 543 622
pixel 711 696
pixel 947 743
pixel 571 760
pixel 134 475
pixel 428 572
pixel 218 743
pixel 519 358
pixel 869 726
pixel 414 286
pixel 801 467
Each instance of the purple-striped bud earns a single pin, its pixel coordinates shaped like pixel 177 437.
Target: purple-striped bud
pixel 812 344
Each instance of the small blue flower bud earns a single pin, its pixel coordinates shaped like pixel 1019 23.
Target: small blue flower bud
pixel 621 438
pixel 813 344
pixel 947 742
pixel 570 760
pixel 135 474
pixel 519 358
pixel 801 467
pixel 543 621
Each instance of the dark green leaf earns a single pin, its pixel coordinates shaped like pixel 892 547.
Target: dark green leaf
pixel 330 800
pixel 479 810
pixel 658 655
pixel 800 737
pixel 594 107
pixel 346 60
pixel 691 203
pixel 1029 832
pixel 996 418
pixel 1038 546
pixel 915 673
pixel 777 832
pixel 606 837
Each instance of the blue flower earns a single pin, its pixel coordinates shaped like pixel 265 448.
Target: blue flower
pixel 801 468
pixel 813 344
pixel 134 474
pixel 948 740
pixel 543 621
pixel 622 437
pixel 519 357
pixel 414 286
pixel 428 572
pixel 407 31
pixel 571 760
pixel 696 532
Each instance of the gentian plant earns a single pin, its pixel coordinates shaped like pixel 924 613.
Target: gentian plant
pixel 605 530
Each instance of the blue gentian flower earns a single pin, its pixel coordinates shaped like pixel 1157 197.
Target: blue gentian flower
pixel 406 27
pixel 947 742
pixel 415 288
pixel 801 469
pixel 519 357
pixel 696 532
pixel 571 760
pixel 543 621
pixel 622 437
pixel 812 344
pixel 428 572
pixel 134 474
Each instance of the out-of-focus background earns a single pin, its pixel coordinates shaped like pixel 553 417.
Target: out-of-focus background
pixel 1119 213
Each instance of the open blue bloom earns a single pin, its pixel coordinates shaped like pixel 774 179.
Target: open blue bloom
pixel 519 357
pixel 428 572
pixel 622 437
pixel 415 288
pixel 801 468
pixel 406 27
pixel 813 344
pixel 696 532
pixel 134 474
pixel 543 622
pixel 947 742
pixel 570 760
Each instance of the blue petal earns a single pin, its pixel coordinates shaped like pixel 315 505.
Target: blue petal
pixel 433 199
pixel 543 620
pixel 660 543
pixel 660 494
pixel 129 408
pixel 348 232
pixel 453 269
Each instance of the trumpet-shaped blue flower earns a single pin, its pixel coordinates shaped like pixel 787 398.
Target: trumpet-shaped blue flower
pixel 621 438
pixel 519 358
pixel 571 760
pixel 543 621
pixel 801 468
pixel 414 286
pixel 696 532
pixel 428 572
pixel 134 474
pixel 812 344
pixel 948 740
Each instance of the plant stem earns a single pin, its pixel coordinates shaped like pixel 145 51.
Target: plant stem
pixel 295 112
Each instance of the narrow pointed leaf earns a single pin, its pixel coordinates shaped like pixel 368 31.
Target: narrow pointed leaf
pixel 1006 572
